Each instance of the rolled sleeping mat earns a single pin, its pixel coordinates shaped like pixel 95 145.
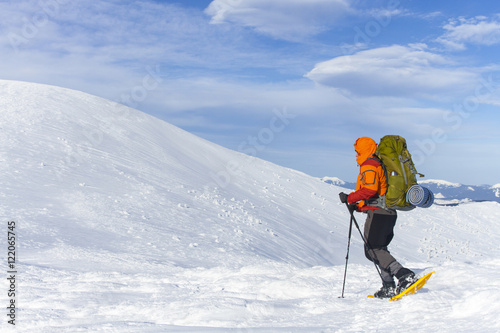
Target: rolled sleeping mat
pixel 431 199
pixel 420 196
pixel 415 195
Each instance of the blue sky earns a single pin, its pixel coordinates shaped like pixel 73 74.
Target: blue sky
pixel 295 82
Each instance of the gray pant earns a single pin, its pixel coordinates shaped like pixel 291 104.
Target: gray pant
pixel 379 231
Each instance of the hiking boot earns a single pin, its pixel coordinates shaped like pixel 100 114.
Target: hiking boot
pixel 405 279
pixel 388 290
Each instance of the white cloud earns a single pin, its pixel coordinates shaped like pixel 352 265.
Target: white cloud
pixel 291 20
pixel 479 30
pixel 394 71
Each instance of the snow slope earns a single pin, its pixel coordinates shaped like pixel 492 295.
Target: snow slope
pixel 128 224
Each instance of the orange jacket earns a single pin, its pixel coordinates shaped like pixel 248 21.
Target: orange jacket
pixel 371 181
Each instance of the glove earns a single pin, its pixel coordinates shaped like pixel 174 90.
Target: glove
pixel 343 197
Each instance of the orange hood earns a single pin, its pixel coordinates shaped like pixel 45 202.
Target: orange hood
pixel 365 147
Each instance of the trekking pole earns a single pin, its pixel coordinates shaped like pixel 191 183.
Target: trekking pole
pixel 370 250
pixel 347 255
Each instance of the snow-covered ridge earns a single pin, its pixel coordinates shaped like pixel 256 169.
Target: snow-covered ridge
pixel 129 224
pixel 333 180
pixel 440 183
pixel 338 182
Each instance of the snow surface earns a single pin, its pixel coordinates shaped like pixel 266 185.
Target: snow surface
pixel 126 223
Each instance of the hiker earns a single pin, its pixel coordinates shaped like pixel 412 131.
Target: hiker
pixel 371 186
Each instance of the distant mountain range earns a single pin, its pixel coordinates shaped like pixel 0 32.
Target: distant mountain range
pixel 445 192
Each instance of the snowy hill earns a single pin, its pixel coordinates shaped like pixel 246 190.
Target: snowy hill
pixel 115 174
pixel 125 223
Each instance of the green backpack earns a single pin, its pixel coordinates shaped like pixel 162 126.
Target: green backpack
pixel 399 171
